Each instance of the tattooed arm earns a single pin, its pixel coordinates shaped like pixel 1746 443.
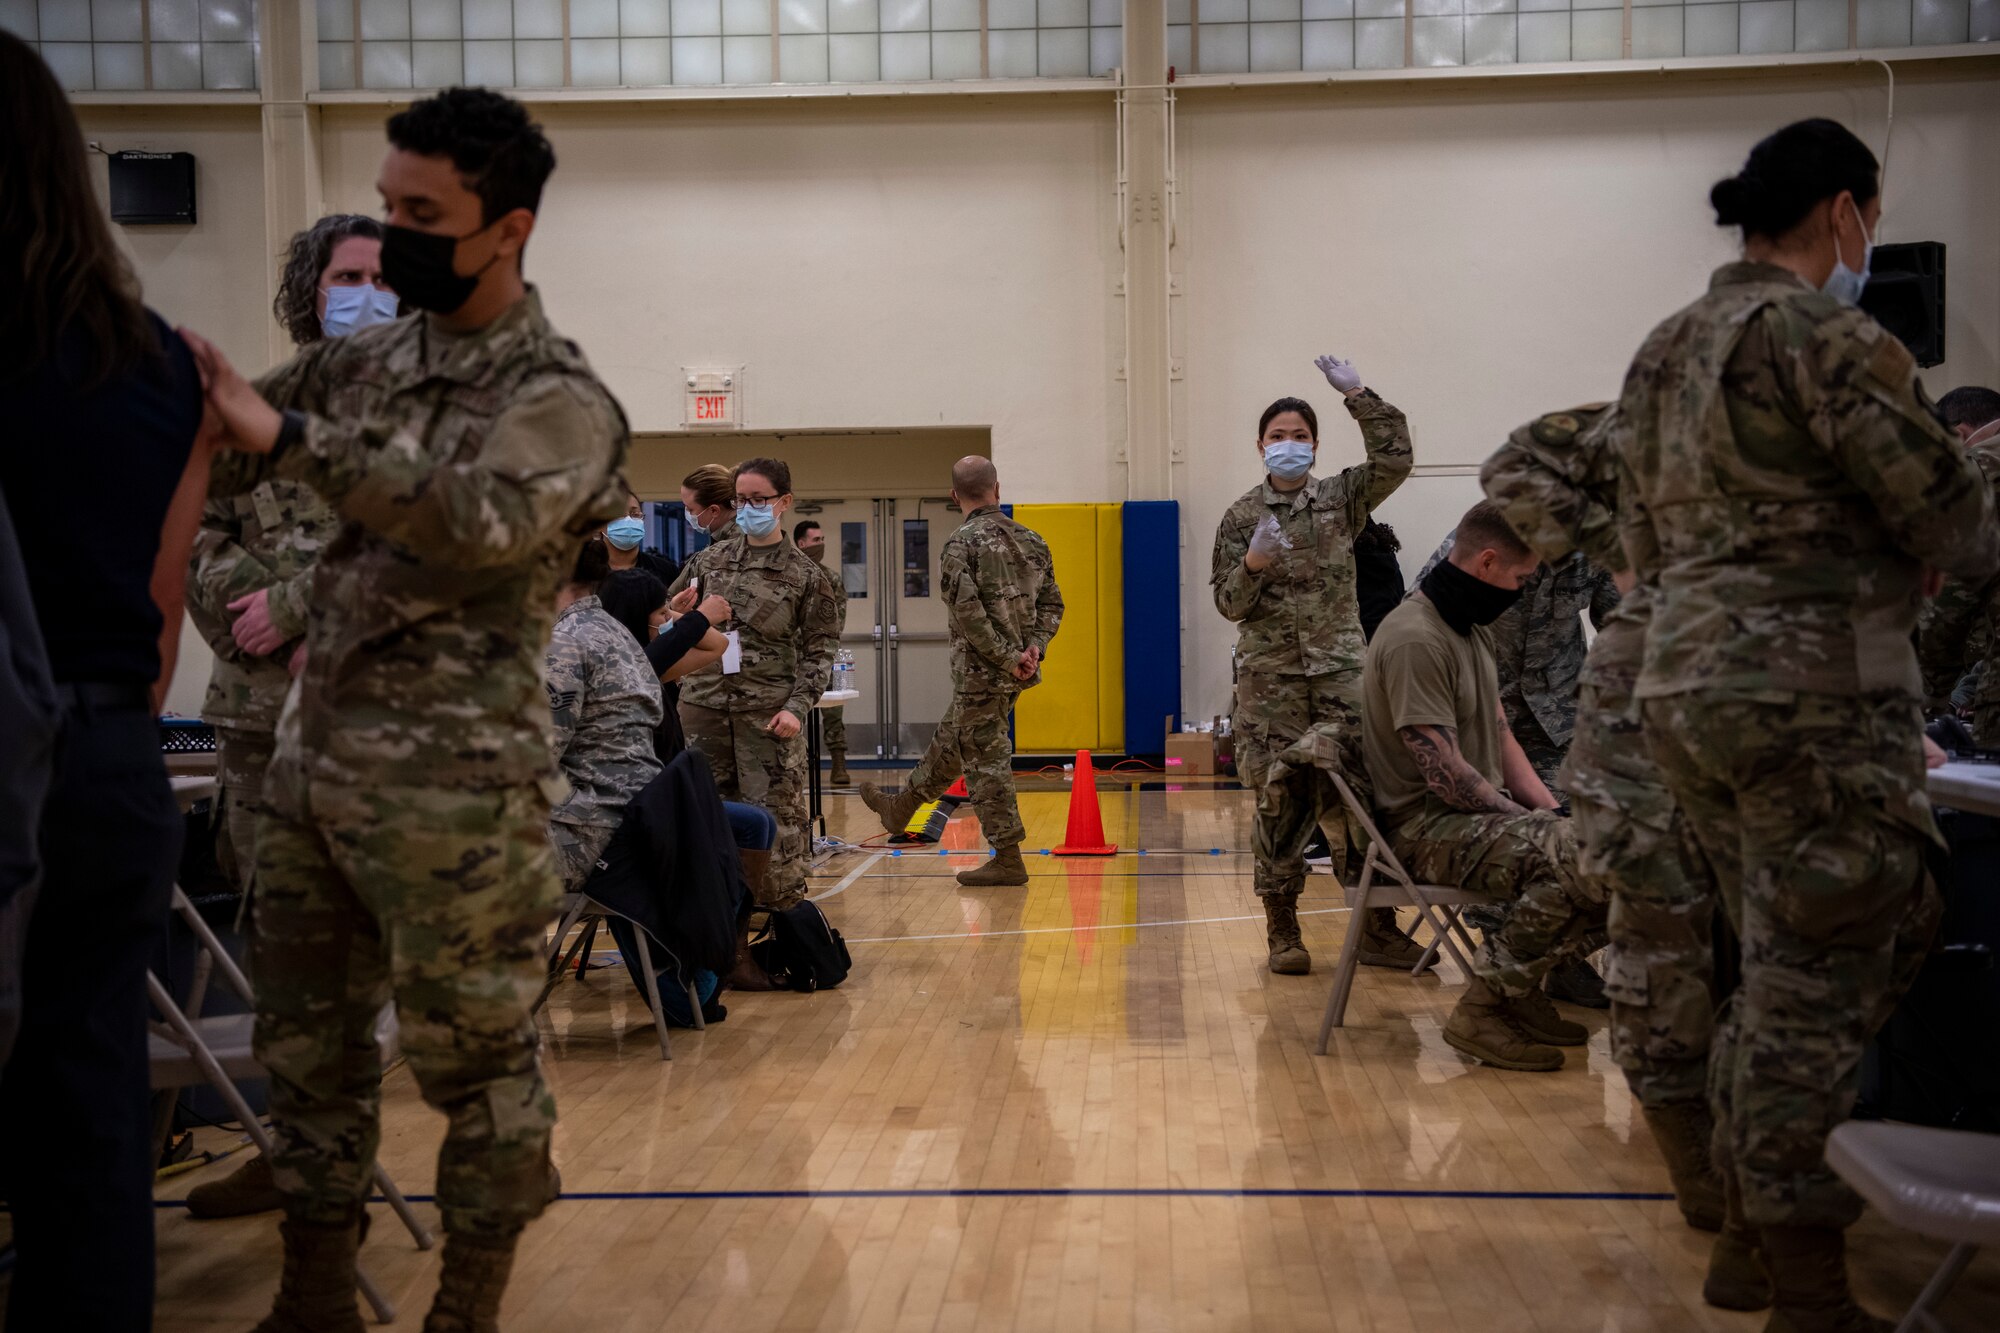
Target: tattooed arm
pixel 1453 780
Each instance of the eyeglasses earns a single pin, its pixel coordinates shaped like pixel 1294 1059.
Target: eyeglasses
pixel 756 499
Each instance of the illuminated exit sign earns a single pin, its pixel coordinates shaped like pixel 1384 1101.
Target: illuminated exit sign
pixel 714 398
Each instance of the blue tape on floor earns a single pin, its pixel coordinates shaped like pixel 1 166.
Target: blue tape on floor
pixel 1581 1196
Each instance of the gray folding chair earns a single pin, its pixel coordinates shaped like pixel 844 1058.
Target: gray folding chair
pixel 186 1051
pixel 1385 883
pixel 1943 1183
pixel 581 913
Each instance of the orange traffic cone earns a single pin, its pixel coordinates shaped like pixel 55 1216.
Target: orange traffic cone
pixel 1085 836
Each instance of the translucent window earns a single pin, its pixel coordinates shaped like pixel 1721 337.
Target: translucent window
pixel 916 557
pixel 130 46
pixel 854 559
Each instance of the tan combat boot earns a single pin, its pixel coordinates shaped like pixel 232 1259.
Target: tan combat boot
pixel 1005 870
pixel 837 776
pixel 1809 1283
pixel 1484 1027
pixel 469 1289
pixel 246 1190
pixel 1281 931
pixel 316 1293
pixel 1535 1014
pixel 1683 1131
pixel 746 974
pixel 894 811
pixel 1736 1278
pixel 1383 944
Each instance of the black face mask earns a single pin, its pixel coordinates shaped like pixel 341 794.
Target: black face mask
pixel 1465 601
pixel 417 265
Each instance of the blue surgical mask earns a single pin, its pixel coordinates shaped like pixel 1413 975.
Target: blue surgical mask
pixel 756 520
pixel 1845 284
pixel 692 521
pixel 351 309
pixel 1288 460
pixel 625 533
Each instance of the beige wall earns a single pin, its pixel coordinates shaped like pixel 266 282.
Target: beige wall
pixel 1494 251
pixel 864 465
pixel 1485 250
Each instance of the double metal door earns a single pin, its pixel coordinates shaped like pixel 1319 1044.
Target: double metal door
pixel 886 560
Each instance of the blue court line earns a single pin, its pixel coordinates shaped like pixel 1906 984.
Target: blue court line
pixel 1583 1196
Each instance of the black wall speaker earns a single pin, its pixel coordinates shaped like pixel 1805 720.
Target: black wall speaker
pixel 152 188
pixel 1905 294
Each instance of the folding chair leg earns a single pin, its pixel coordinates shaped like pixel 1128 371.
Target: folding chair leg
pixel 563 928
pixel 1343 977
pixel 583 950
pixel 1940 1285
pixel 653 991
pixel 557 967
pixel 420 1233
pixel 694 1004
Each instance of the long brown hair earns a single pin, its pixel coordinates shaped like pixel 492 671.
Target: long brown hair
pixel 60 270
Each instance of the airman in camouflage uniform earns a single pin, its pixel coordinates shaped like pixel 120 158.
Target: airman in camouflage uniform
pixel 1956 638
pixel 1556 483
pixel 269 540
pixel 998 583
pixel 788 615
pixel 1784 486
pixel 1299 647
pixel 405 853
pixel 1539 647
pixel 606 703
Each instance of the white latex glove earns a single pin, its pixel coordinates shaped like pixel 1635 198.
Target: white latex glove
pixel 1340 374
pixel 1268 540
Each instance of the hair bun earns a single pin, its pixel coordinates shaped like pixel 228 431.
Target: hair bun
pixel 1734 200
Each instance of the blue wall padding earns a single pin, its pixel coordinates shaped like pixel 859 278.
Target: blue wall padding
pixel 1152 558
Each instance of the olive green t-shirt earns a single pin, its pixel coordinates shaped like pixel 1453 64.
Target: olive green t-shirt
pixel 1420 673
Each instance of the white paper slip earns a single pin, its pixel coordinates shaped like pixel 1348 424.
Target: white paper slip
pixel 732 656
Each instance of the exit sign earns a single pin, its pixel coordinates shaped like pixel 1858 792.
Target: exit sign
pixel 714 398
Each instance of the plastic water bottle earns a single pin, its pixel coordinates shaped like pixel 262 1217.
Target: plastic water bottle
pixel 843 670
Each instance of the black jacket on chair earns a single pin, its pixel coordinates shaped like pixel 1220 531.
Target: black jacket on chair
pixel 672 867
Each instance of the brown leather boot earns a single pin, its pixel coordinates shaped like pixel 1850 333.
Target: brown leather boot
pixel 747 974
pixel 1536 1015
pixel 469 1289
pixel 1736 1277
pixel 1383 944
pixel 246 1190
pixel 1485 1027
pixel 893 811
pixel 316 1292
pixel 1005 870
pixel 1281 932
pixel 837 775
pixel 1809 1283
pixel 1683 1131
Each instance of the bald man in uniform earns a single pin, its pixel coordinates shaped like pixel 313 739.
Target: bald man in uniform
pixel 999 589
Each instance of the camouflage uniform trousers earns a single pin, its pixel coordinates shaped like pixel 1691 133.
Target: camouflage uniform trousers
pixel 1528 858
pixel 1634 844
pixel 577 848
pixel 241 757
pixel 439 899
pixel 833 731
pixel 1810 813
pixel 1272 712
pixel 972 739
pixel 753 766
pixel 1546 758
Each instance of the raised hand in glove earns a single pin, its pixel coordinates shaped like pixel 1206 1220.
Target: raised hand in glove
pixel 1340 374
pixel 1265 544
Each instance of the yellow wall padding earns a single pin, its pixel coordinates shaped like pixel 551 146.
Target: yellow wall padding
pixel 1061 713
pixel 1110 627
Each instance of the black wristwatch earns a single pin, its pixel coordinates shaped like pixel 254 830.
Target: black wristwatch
pixel 291 429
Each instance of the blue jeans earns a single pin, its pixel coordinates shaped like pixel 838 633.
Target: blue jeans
pixel 752 826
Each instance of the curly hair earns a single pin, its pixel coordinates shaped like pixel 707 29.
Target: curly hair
pixel 502 155
pixel 297 302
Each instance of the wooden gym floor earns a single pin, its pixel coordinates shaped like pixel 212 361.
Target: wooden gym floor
pixel 1080 1105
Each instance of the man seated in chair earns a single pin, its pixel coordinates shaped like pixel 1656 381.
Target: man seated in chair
pixel 1461 804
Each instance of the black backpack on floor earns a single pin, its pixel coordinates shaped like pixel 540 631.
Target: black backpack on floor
pixel 800 950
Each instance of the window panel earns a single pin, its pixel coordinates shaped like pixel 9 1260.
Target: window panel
pixel 228 65
pixel 22 18
pixel 384 21
pixel 747 18
pixel 1107 50
pixel 593 18
pixel 1225 47
pixel 336 65
pixel 593 61
pixel 487 20
pixel 538 63
pixel 1489 39
pixel 1985 21
pixel 645 62
pixel 1010 55
pixel 386 65
pixel 68 21
pixel 1712 30
pixel 803 58
pixel 228 21
pixel 1438 41
pixel 955 55
pixel 437 64
pixel 1276 47
pixel 434 20
pixel 1180 47
pixel 1378 43
pixel 336 21
pixel 801 16
pixel 71 64
pixel 1597 34
pixel 176 65
pixel 489 64
pixel 955 16
pixel 1064 53
pixel 1062 13
pixel 1656 32
pixel 1010 13
pixel 173 20
pixel 906 56
pixel 854 16
pixel 115 21
pixel 536 18
pixel 643 18
pixel 1940 22
pixel 1766 28
pixel 1822 25
pixel 1884 23
pixel 120 65
pixel 1328 44
pixel 1542 38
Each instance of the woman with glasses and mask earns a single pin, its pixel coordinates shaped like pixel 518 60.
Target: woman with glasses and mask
pixel 747 713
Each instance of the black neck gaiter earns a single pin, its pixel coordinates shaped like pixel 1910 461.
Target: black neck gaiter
pixel 1465 601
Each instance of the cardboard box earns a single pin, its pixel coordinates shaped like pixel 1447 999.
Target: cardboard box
pixel 1189 753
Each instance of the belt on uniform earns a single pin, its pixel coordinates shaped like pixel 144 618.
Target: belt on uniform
pixel 103 694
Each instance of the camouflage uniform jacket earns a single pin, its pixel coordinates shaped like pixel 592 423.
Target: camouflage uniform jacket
pixel 1538 643
pixel 1784 485
pixel 267 539
pixel 1955 635
pixel 998 582
pixel 1299 616
pixel 606 702
pixel 788 616
pixel 465 469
